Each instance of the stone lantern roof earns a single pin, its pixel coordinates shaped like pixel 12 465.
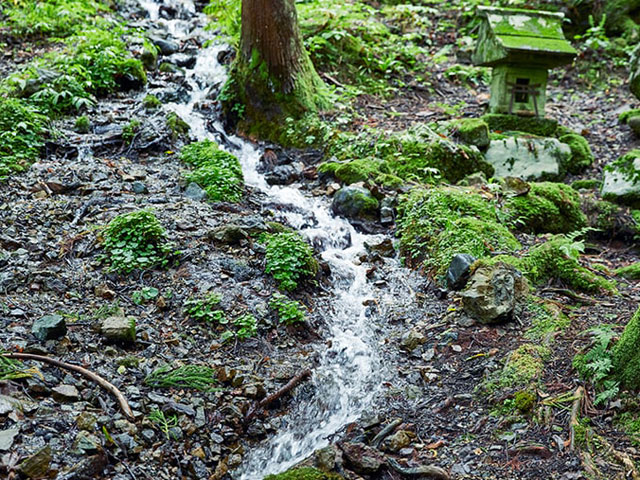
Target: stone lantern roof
pixel 523 37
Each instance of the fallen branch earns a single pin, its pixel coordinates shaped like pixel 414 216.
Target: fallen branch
pixel 124 405
pixel 422 470
pixel 265 402
pixel 385 432
pixel 575 411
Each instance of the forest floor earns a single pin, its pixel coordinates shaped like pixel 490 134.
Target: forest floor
pixel 51 216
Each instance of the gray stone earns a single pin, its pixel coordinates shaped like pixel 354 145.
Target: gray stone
pixel 86 421
pixel 195 192
pixel 529 158
pixel 459 270
pixel 361 458
pixel 49 327
pixel 139 187
pixel 282 175
pixel 9 404
pixel 398 440
pixel 166 47
pixel 355 203
pixel 119 329
pixel 412 340
pixel 85 443
pixel 37 465
pixel 634 123
pixel 621 182
pixel 494 292
pixel 6 438
pixel 65 393
pixel 326 458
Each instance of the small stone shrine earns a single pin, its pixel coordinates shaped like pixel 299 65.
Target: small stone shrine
pixel 521 46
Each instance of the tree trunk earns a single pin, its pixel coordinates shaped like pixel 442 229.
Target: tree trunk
pixel 272 77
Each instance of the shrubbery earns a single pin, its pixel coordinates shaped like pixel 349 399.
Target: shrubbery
pixel 289 259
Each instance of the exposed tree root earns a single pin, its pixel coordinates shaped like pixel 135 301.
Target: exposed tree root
pixel 385 432
pixel 575 412
pixel 422 470
pixel 265 402
pixel 122 401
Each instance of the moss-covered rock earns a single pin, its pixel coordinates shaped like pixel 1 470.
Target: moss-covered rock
pixel 621 183
pixel 626 115
pixel 587 184
pixel 547 208
pixel 304 473
pixel 472 131
pixel 177 126
pixel 581 155
pixel 609 219
pixel 626 355
pixel 523 367
pixel 355 203
pixel 544 127
pixel 630 272
pixel 434 224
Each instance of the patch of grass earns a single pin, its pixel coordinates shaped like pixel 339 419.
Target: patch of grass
pixel 151 102
pixel 289 259
pixel 130 130
pixel 197 377
pixel 11 369
pixel 177 126
pixel 546 320
pixel 82 124
pixel 289 312
pixel 135 240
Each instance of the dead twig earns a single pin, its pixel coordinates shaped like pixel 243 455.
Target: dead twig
pixel 575 411
pixel 265 402
pixel 122 401
pixel 385 432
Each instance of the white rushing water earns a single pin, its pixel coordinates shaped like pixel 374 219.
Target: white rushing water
pixel 347 378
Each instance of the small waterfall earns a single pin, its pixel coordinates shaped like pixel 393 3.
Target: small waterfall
pixel 348 376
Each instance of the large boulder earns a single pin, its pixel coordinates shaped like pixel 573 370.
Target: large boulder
pixel 355 203
pixel 529 158
pixel 621 182
pixel 494 293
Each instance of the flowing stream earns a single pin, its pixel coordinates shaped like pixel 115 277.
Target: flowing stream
pixel 348 375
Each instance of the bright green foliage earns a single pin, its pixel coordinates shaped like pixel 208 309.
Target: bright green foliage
pixel 547 208
pixel 135 240
pixel 163 422
pixel 207 152
pixel 246 325
pixel 130 130
pixel 626 355
pixel 226 14
pixel 586 184
pixel 524 401
pixel 151 102
pixel 56 18
pixel 436 223
pixel 581 154
pixel 417 155
pixel 177 126
pixel 144 295
pixel 630 272
pixel 289 259
pixel 625 116
pixel 524 366
pixel 630 423
pixel 289 312
pixel 11 369
pixel 596 364
pixel 511 123
pixel 472 131
pixel 205 309
pixel 198 377
pixel 304 473
pixel 82 125
pixel 21 130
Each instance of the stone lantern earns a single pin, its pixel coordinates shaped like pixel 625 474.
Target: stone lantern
pixel 521 46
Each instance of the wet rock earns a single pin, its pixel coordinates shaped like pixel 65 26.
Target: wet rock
pixel 88 468
pixel 86 421
pixel 238 229
pixel 184 60
pixel 166 47
pixel 65 393
pixel 494 292
pixel 326 458
pixel 7 437
pixel 384 247
pixel 119 329
pixel 195 192
pixel 149 58
pixel 282 175
pixel 355 203
pixel 459 270
pixel 37 465
pixel 174 95
pixel 361 458
pixel 476 179
pixel 49 327
pixel 103 291
pixel 412 340
pixel 139 187
pixel 529 158
pixel 397 441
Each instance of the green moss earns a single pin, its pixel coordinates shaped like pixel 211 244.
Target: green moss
pixel 436 223
pixel 304 473
pixel 524 401
pixel 630 272
pixel 626 355
pixel 177 126
pixel 151 102
pixel 472 131
pixel 206 152
pixel 625 116
pixel 355 171
pixel 523 367
pixel 543 127
pixel 547 208
pixel 546 320
pixel 82 124
pixel 587 184
pixel 603 215
pixel 581 155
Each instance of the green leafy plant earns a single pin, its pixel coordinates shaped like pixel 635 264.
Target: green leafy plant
pixel 246 325
pixel 164 423
pixel 130 130
pixel 135 240
pixel 288 311
pixel 596 364
pixel 21 135
pixel 11 369
pixel 205 309
pixel 144 295
pixel 289 259
pixel 198 377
